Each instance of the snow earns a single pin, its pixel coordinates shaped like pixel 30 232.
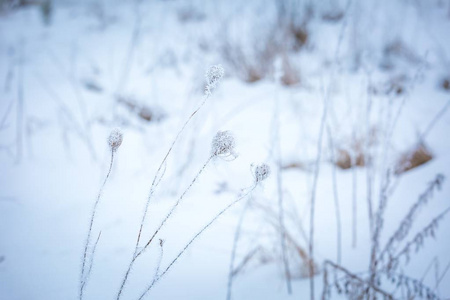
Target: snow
pixel 54 151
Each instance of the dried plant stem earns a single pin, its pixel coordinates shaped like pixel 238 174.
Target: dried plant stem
pixel 131 48
pixel 423 233
pixel 356 278
pixel 91 260
pixel 325 283
pixel 233 251
pixel 369 179
pixel 158 175
pixel 369 175
pixel 336 199
pixel 354 198
pixel 5 116
pixel 434 121
pixel 439 280
pixel 196 236
pixel 84 276
pixel 86 126
pixel 313 200
pixel 177 203
pixel 405 224
pixel 156 180
pixel 158 264
pixel 138 253
pixel 63 108
pixel 378 226
pixel 245 260
pixel 282 228
pixel 20 106
pixel 405 96
pixel 434 262
pixel 277 143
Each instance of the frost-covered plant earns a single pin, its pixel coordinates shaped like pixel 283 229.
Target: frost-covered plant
pixel 213 76
pixel 348 283
pixel 355 286
pixel 261 172
pixel 406 223
pixel 387 262
pixel 223 145
pixel 404 228
pixel 247 192
pixel 114 141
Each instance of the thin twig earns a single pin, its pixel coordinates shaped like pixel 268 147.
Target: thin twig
pixel 158 264
pixel 91 259
pixel 405 225
pixel 359 279
pixel 442 276
pixel 417 240
pixel 336 197
pixel 279 162
pixel 138 253
pixel 84 276
pixel 434 121
pixel 213 76
pixel 233 251
pixel 196 236
pixel 20 106
pixel 354 195
pixel 157 179
pixel 313 199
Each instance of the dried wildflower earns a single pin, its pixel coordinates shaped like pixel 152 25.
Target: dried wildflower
pixel 223 144
pixel 213 76
pixel 115 139
pixel 261 172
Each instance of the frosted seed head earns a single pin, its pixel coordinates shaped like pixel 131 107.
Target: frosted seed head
pixel 115 139
pixel 222 144
pixel 261 172
pixel 213 76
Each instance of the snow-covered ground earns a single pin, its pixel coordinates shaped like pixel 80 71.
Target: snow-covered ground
pixel 378 71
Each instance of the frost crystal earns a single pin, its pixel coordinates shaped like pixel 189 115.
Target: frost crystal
pixel 222 144
pixel 115 139
pixel 261 172
pixel 213 76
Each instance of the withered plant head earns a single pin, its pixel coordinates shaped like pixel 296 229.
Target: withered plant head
pixel 213 75
pixel 223 145
pixel 115 139
pixel 261 172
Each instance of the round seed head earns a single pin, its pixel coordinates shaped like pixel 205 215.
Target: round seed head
pixel 222 144
pixel 261 172
pixel 213 76
pixel 115 139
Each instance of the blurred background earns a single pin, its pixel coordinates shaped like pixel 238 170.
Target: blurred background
pixel 347 102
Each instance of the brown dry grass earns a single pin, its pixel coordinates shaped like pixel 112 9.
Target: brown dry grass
pixel 413 158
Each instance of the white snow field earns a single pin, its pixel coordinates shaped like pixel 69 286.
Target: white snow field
pixel 346 102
